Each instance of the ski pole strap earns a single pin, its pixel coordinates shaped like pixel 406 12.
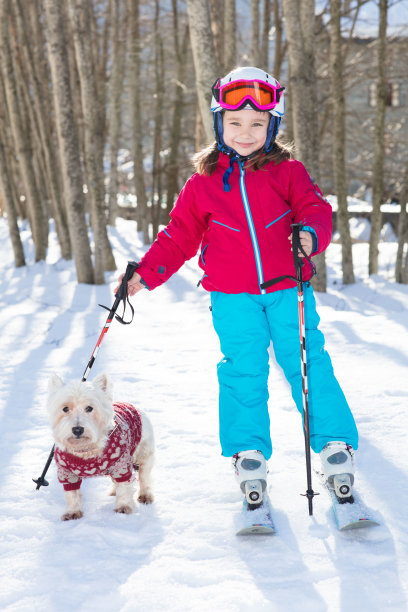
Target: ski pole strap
pixel 296 247
pixel 122 294
pixel 298 261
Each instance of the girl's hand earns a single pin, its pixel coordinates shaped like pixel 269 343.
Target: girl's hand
pixel 306 241
pixel 134 284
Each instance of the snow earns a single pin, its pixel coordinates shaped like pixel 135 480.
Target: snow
pixel 181 554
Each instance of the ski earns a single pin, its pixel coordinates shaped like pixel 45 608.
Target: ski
pixel 258 521
pixel 354 515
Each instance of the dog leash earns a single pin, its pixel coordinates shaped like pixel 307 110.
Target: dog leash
pixel 120 296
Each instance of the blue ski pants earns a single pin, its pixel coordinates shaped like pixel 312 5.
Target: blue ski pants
pixel 246 324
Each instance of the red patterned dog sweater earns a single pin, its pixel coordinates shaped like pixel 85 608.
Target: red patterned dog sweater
pixel 116 458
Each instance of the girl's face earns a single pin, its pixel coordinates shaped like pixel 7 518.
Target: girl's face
pixel 245 130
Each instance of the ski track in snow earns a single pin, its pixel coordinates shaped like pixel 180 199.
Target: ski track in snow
pixel 181 553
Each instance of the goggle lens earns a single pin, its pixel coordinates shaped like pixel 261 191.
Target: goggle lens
pixel 263 95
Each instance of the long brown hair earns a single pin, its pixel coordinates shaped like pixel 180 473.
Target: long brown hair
pixel 205 161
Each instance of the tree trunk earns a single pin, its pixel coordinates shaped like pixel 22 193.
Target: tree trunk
pixel 69 148
pixel 33 52
pixel 9 202
pixel 172 166
pixel 400 271
pixel 266 26
pixel 38 221
pixel 217 16
pixel 230 43
pixel 339 141
pixel 378 167
pixel 254 52
pixel 81 22
pixel 136 113
pixel 299 21
pixel 158 125
pixel 119 25
pixel 205 63
pixel 280 46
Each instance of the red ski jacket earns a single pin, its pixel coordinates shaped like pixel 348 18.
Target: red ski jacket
pixel 243 233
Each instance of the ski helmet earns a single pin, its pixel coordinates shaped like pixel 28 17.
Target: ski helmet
pixel 247 88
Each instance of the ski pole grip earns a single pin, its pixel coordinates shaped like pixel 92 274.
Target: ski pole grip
pixel 296 228
pixel 130 270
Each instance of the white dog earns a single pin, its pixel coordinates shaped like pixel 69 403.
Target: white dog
pixel 93 437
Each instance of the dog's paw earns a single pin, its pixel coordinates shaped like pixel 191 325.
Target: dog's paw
pixel 70 516
pixel 146 498
pixel 125 509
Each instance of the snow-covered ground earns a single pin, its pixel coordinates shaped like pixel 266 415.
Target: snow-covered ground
pixel 181 554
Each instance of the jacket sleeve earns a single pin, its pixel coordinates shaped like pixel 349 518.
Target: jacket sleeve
pixel 309 206
pixel 178 242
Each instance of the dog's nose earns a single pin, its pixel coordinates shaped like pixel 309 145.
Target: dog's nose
pixel 78 431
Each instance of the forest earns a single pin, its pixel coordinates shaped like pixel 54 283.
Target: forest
pixel 104 102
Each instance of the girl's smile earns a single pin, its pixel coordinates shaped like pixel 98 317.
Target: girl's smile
pixel 245 131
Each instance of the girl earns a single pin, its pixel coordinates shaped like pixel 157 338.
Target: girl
pixel 239 206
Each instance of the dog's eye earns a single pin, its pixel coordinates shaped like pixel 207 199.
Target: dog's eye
pixel 89 409
pixel 65 409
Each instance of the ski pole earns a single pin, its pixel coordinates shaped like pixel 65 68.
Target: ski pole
pixel 121 295
pixel 296 247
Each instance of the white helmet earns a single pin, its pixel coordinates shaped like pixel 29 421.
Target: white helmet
pixel 248 86
pixel 251 88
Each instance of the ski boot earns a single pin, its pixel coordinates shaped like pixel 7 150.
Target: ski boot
pixel 250 472
pixel 338 469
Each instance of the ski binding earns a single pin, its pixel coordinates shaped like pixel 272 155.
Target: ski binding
pixel 258 521
pixel 353 514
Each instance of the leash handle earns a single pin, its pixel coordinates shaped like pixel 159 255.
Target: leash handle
pixel 130 270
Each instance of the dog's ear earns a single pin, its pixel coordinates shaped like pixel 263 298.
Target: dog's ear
pixel 54 383
pixel 102 382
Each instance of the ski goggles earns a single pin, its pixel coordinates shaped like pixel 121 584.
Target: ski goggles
pixel 260 95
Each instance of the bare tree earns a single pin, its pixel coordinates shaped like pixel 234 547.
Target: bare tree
pixel 6 186
pixel 119 30
pixel 230 42
pixel 158 123
pixel 255 17
pixel 339 139
pixel 181 57
pixel 378 167
pixel 217 16
pixel 80 14
pixel 299 21
pixel 280 43
pixel 266 26
pixel 136 114
pixel 37 217
pixel 401 270
pixel 32 50
pixel 68 141
pixel 205 63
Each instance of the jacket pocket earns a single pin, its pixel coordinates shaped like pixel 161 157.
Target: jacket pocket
pixel 234 229
pixel 278 219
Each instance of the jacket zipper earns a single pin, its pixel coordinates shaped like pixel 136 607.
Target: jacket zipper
pixel 255 245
